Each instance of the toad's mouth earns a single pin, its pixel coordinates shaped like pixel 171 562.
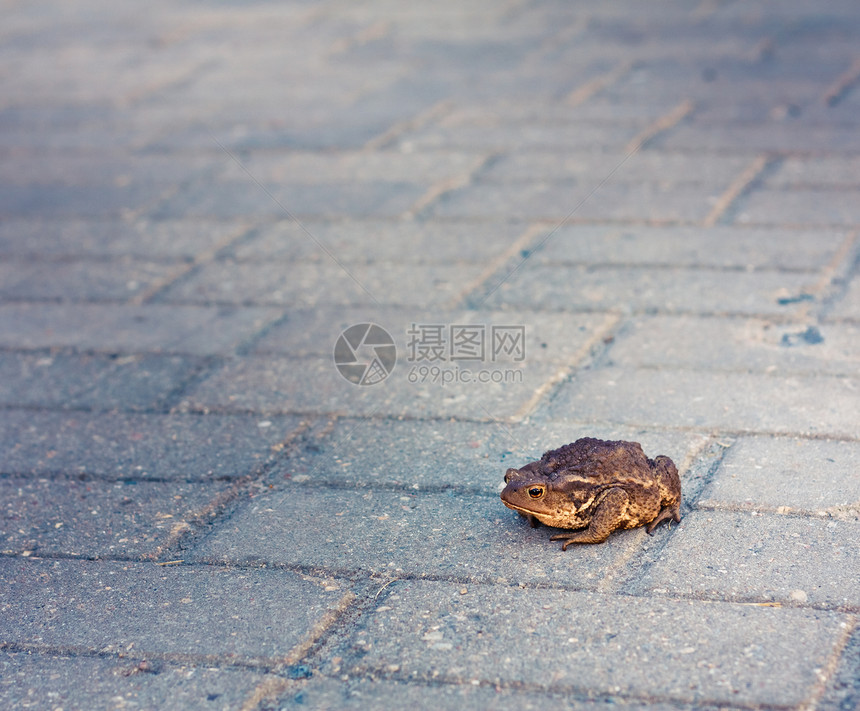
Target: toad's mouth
pixel 518 508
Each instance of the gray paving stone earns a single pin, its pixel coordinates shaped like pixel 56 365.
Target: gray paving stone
pixel 500 111
pixel 410 533
pixel 398 241
pixel 246 198
pixel 311 283
pixel 273 385
pixel 681 202
pixel 200 330
pixel 55 681
pixel 91 381
pixel 168 239
pixel 96 168
pixel 781 474
pixel 736 344
pixel 795 171
pixel 140 446
pixel 723 247
pixel 116 280
pixel 526 135
pixel 93 518
pixel 325 168
pixel 548 337
pixel 674 290
pixel 848 305
pixel 78 200
pixel 686 651
pixel 368 453
pixel 644 166
pixel 763 136
pixel 362 694
pixel 799 207
pixel 750 556
pixel 260 614
pixel 750 402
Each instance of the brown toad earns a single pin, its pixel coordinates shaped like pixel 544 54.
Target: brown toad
pixel 595 486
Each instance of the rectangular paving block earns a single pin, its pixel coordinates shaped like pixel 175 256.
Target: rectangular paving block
pixel 762 136
pixel 111 607
pixel 376 240
pixel 51 681
pixel 148 239
pixel 525 135
pixel 674 290
pixel 759 557
pixel 325 168
pixel 246 198
pixel 404 532
pixel 79 280
pixel 707 400
pixel 799 171
pixel 140 446
pixel 781 474
pixel 682 202
pixel 737 248
pixel 201 330
pixel 352 694
pixel 94 381
pixel 278 385
pixel 84 167
pixel 594 165
pixel 800 206
pixel 433 336
pixel 93 518
pixel 736 344
pixel 59 200
pixel 371 452
pixel 679 650
pixel 307 284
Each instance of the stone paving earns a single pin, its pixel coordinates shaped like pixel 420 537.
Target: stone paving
pixel 623 220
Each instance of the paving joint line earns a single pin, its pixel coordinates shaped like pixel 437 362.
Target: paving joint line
pixel 591 88
pixel 270 688
pixel 831 513
pixel 737 188
pixel 588 353
pixel 438 190
pixel 841 689
pixel 228 661
pixel 423 118
pixel 696 459
pixel 195 526
pixel 567 691
pixel 842 85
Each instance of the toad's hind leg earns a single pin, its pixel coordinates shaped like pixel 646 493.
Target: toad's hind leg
pixel 607 517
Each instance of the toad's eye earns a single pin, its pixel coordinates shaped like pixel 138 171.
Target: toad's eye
pixel 535 492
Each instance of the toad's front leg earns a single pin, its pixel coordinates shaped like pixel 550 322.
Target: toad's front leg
pixel 607 517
